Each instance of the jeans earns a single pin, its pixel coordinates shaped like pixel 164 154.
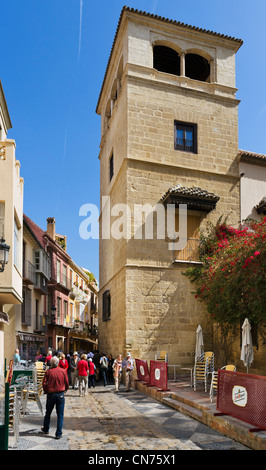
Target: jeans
pixel 92 380
pixel 54 399
pixel 104 375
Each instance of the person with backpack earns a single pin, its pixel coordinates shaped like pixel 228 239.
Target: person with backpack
pixel 104 367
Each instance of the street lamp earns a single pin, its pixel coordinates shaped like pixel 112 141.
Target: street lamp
pixel 4 252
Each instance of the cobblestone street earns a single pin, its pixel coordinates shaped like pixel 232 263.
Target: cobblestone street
pixel 106 421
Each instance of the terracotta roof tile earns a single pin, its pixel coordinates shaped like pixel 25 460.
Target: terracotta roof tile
pixel 37 231
pixel 193 192
pixel 252 157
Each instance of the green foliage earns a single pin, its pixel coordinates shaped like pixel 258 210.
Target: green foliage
pixel 232 277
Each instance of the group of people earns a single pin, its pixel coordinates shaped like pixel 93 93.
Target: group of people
pixel 88 369
pixel 83 369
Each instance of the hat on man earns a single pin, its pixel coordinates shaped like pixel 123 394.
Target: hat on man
pixel 128 354
pixel 75 353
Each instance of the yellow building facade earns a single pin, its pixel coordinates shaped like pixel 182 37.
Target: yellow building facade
pixel 83 310
pixel 11 225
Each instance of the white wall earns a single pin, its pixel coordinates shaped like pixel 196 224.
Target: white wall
pixel 252 189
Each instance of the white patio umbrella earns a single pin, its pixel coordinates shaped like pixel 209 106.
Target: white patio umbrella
pixel 199 342
pixel 247 347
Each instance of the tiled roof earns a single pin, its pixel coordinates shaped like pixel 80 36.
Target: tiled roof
pixel 195 198
pixel 165 20
pixel 37 231
pixel 194 192
pixel 251 157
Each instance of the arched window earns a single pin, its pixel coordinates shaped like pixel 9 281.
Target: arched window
pixel 197 67
pixel 166 60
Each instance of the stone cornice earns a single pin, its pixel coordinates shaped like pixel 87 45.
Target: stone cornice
pixel 4 108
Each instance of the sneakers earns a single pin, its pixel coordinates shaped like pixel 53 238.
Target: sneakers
pixel 43 431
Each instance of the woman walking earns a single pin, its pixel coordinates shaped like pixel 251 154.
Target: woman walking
pixel 117 368
pixel 92 369
pixel 82 368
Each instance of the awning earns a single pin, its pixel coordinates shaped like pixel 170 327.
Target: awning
pixel 4 318
pixel 31 337
pixel 88 340
pixel 195 198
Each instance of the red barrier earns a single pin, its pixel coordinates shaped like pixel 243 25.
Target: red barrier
pixel 242 396
pixel 142 371
pixel 158 375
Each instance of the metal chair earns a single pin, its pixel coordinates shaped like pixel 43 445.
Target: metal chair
pixel 204 365
pixel 214 381
pixel 33 390
pixel 14 412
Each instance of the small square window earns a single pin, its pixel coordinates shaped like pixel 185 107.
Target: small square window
pixel 186 137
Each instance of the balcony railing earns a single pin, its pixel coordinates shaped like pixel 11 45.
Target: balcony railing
pixel 191 252
pixel 61 279
pixel 41 323
pixel 29 273
pixel 79 294
pixel 41 283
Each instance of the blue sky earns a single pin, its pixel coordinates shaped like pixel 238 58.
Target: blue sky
pixel 53 59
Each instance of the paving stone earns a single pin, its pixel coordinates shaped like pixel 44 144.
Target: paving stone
pixel 106 421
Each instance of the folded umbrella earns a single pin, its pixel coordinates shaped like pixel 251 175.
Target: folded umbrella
pixel 247 346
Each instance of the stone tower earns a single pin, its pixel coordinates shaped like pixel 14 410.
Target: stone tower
pixel 169 135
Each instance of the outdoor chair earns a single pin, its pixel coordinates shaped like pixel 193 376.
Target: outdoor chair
pixel 204 365
pixel 214 381
pixel 33 390
pixel 14 412
pixel 161 356
pixel 40 371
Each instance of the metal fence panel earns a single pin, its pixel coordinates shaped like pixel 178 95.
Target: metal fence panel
pixel 158 375
pixel 242 396
pixel 143 371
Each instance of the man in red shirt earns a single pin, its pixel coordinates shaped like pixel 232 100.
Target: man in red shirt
pixel 48 358
pixel 55 383
pixel 82 369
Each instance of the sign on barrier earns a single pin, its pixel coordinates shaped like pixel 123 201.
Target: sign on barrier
pixel 242 396
pixel 158 375
pixel 142 371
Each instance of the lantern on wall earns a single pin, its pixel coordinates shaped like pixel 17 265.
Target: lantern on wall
pixel 4 252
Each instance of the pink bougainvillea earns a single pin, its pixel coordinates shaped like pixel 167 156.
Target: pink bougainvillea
pixel 232 277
